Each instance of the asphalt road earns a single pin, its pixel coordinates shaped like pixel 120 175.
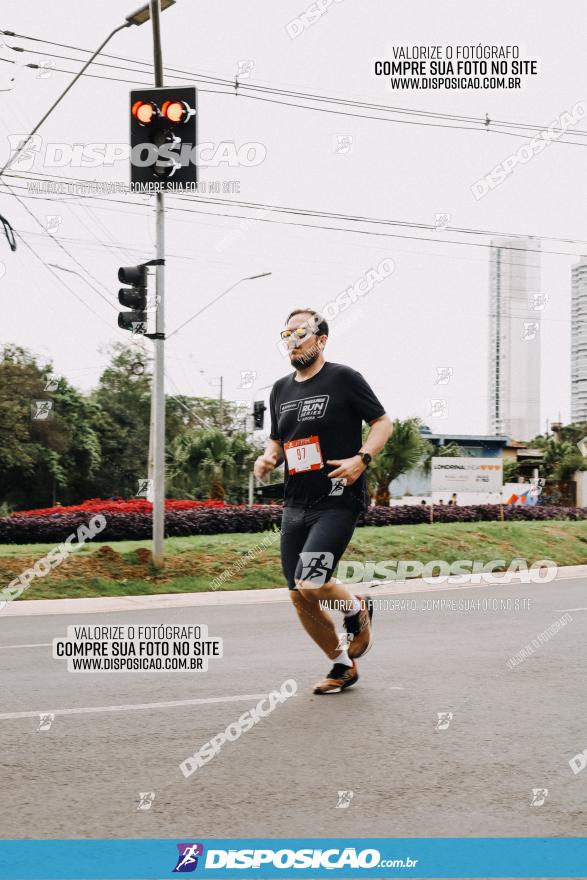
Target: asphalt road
pixel 511 730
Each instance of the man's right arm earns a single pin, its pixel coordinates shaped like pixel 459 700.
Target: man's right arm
pixel 271 458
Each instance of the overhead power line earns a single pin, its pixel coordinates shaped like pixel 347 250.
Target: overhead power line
pixel 60 245
pixel 266 208
pixel 243 89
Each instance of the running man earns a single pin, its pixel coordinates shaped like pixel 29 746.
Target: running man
pixel 317 415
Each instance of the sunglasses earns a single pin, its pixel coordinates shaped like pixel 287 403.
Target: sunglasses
pixel 298 333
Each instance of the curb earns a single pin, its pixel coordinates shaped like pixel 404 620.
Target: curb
pixel 102 605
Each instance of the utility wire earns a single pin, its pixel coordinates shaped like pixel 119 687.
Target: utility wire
pixel 350 218
pixel 60 279
pixel 60 245
pixel 240 85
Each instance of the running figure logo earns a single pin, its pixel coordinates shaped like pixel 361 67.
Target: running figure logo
pixel 41 410
pixel 530 330
pixel 444 719
pixel 46 720
pixel 443 375
pixel 316 567
pixel 338 484
pixel 187 860
pixel 539 795
pixel 344 799
pixel 344 641
pixel 146 799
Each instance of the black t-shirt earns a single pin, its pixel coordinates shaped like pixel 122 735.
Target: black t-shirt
pixel 331 405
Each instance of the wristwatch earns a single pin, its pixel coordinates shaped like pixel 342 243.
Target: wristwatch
pixel 366 458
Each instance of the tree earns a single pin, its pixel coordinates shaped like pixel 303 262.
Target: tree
pixel 121 411
pixel 560 455
pixel 96 445
pixel 42 459
pixel 560 459
pixel 209 412
pixel 406 449
pixel 208 463
pixel 449 450
pixel 511 470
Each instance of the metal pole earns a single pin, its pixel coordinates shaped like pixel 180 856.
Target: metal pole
pixel 250 437
pixel 158 388
pixel 221 404
pixel 150 466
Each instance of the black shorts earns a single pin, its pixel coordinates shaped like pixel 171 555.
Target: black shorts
pixel 313 541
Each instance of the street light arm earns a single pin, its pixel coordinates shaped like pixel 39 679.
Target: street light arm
pixel 62 95
pixel 212 301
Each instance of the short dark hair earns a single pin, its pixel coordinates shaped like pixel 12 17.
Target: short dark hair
pixel 320 324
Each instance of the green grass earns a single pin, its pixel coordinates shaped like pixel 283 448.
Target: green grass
pixel 173 546
pixel 193 562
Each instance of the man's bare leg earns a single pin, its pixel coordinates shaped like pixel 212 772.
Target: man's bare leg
pixel 357 612
pixel 317 622
pixel 332 593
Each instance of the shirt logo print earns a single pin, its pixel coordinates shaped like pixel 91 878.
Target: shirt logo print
pixel 308 407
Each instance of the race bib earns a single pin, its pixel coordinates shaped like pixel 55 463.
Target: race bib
pixel 303 455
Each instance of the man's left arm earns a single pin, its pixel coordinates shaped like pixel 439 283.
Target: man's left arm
pixel 369 408
pixel 380 431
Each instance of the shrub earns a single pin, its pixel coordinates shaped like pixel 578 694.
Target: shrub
pixel 212 519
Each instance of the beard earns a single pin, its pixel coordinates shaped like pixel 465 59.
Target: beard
pixel 306 359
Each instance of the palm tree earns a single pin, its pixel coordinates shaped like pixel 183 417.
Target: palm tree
pixel 207 462
pixel 405 450
pixel 560 458
pixel 449 450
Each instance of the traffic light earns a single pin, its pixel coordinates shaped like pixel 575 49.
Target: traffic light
pixel 163 139
pixel 134 297
pixel 258 413
pixel 139 296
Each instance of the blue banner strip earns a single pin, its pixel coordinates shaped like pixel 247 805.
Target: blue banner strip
pixel 484 857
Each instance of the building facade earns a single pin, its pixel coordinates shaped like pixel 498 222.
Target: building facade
pixel 579 341
pixel 515 308
pixel 417 482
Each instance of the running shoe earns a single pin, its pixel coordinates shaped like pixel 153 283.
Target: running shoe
pixel 358 628
pixel 340 677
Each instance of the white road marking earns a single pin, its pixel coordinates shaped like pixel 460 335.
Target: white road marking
pixel 396 688
pixel 570 609
pixel 130 707
pixel 40 645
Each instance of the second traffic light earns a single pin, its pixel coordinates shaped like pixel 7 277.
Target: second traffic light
pixel 163 139
pixel 258 413
pixel 139 296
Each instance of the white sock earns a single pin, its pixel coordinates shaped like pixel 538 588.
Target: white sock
pixel 355 609
pixel 343 657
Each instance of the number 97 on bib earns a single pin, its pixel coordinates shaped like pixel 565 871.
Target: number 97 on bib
pixel 303 455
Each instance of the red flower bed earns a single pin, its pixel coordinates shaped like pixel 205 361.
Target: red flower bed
pixel 133 520
pixel 119 505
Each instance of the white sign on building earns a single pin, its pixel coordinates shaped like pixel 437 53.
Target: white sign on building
pixel 466 474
